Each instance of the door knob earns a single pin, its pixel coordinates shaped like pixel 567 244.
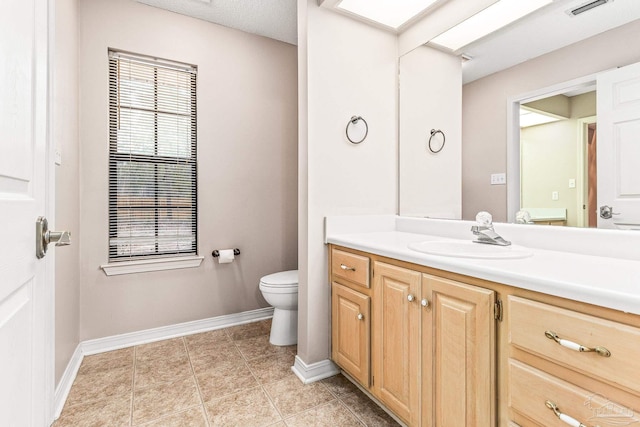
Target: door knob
pixel 606 212
pixel 410 298
pixel 424 302
pixel 44 237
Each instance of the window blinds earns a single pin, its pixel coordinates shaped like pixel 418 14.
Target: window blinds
pixel 152 158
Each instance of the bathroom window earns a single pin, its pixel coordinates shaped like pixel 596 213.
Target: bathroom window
pixel 152 158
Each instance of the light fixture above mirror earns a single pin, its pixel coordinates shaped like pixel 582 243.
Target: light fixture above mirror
pixel 385 12
pixel 489 20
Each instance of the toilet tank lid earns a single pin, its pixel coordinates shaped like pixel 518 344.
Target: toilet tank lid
pixel 282 278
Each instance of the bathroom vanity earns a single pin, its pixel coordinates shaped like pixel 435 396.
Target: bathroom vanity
pixel 546 338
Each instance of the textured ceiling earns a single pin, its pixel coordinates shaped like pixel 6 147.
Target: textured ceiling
pixel 276 19
pixel 541 32
pixel 549 29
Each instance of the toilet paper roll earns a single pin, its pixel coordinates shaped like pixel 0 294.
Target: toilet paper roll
pixel 226 256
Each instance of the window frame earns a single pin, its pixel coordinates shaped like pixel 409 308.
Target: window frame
pixel 172 258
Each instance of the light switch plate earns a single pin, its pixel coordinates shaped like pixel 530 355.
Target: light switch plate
pixel 572 183
pixel 554 195
pixel 498 178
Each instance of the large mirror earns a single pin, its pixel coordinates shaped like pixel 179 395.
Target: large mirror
pixel 544 168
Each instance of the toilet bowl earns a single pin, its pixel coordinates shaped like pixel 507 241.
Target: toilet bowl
pixel 280 290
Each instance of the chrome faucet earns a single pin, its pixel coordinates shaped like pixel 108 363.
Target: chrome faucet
pixel 485 232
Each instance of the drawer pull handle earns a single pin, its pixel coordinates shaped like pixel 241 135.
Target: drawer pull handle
pixel 575 346
pixel 563 417
pixel 345 268
pixel 360 316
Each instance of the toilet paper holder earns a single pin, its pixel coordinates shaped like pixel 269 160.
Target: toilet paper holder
pixel 216 253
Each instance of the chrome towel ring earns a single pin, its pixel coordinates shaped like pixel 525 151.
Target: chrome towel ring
pixel 434 132
pixel 352 122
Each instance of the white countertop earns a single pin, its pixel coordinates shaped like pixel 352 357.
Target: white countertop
pixel 599 280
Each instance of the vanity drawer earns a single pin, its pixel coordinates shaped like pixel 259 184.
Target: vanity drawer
pixel 352 267
pixel 530 389
pixel 530 322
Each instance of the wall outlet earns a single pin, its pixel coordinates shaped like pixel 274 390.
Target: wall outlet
pixel 498 178
pixel 572 183
pixel 554 195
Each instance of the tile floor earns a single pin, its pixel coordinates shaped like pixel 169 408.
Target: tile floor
pixel 227 377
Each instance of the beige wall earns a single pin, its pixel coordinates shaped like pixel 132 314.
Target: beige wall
pixel 549 159
pixel 350 68
pixel 247 172
pixel 65 139
pixel 484 111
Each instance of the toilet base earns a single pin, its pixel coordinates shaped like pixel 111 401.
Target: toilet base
pixel 284 327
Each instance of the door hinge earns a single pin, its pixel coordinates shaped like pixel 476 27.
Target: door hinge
pixel 497 310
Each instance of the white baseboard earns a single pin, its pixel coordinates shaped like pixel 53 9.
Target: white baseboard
pixel 116 342
pixel 64 386
pixel 314 371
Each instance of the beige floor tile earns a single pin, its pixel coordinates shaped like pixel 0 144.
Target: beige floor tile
pixel 213 353
pixel 252 348
pixel 291 396
pixel 333 414
pixel 249 330
pixel 110 412
pixel 223 379
pixel 157 401
pixel 249 408
pixel 271 368
pixel 161 349
pixel 101 384
pixel 194 417
pixel 339 385
pixel 107 361
pixel 367 410
pixel 102 392
pixel 149 372
pixel 216 336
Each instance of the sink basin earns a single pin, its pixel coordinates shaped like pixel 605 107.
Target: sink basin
pixel 469 249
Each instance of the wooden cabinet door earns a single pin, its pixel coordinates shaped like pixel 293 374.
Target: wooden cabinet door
pixel 458 349
pixel 350 331
pixel 396 340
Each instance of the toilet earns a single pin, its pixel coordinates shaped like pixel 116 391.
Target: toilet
pixel 280 290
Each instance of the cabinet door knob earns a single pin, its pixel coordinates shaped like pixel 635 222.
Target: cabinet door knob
pixel 424 302
pixel 410 298
pixel 360 316
pixel 345 268
pixel 575 346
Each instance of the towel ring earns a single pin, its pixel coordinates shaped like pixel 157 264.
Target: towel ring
pixel 434 132
pixel 353 121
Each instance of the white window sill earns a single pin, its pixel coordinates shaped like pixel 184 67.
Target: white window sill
pixel 158 264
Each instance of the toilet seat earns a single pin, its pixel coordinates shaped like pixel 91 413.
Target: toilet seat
pixel 281 279
pixel 284 282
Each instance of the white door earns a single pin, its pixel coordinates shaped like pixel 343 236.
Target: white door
pixel 619 148
pixel 26 284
